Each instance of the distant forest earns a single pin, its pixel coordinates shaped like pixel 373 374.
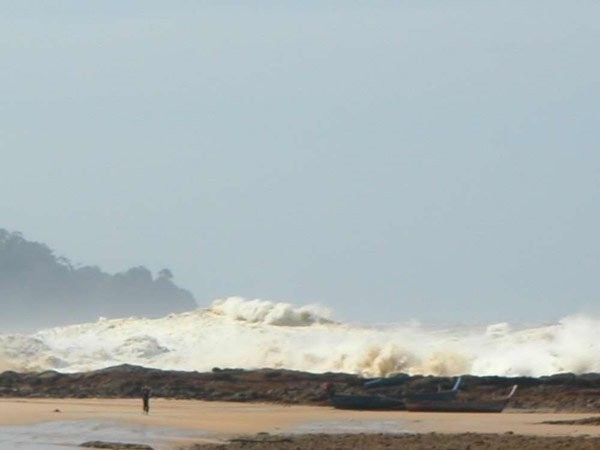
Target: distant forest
pixel 38 289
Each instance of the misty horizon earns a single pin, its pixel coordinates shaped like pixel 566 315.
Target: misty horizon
pixel 389 160
pixel 28 265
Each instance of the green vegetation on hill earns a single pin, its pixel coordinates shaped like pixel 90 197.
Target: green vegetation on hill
pixel 37 288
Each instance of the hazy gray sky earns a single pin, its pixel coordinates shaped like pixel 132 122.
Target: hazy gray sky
pixel 413 159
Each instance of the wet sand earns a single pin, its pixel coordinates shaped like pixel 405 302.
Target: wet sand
pixel 216 421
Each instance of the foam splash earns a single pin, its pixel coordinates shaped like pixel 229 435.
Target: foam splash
pixel 266 312
pixel 241 333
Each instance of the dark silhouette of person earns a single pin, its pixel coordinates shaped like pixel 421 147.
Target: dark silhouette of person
pixel 146 392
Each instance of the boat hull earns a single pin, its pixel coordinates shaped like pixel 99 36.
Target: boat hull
pixel 456 406
pixel 366 402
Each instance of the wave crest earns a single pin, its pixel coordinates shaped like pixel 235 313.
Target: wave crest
pixel 257 333
pixel 270 313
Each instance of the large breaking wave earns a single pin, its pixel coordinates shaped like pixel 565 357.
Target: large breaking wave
pixel 256 333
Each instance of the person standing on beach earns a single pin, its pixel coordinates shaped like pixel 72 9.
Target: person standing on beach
pixel 146 392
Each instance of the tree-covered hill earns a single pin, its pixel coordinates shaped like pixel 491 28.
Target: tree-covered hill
pixel 38 288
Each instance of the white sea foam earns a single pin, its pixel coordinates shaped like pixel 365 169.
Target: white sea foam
pixel 241 333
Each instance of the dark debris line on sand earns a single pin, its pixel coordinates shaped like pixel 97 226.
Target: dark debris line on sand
pixel 430 441
pixel 585 421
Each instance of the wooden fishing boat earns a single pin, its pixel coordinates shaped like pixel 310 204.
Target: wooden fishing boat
pixel 448 394
pixel 371 402
pixel 384 402
pixel 458 405
pixel 393 380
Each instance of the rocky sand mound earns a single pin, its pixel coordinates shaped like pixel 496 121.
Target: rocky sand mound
pixel 562 392
pixel 430 441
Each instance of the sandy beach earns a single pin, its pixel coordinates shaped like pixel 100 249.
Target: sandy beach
pixel 200 421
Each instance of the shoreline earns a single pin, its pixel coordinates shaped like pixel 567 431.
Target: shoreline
pixel 226 419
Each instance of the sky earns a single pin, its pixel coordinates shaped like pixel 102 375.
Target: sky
pixel 424 160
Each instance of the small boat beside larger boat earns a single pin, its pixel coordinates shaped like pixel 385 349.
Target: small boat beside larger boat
pixel 458 405
pixel 393 380
pixel 384 402
pixel 366 402
pixel 448 394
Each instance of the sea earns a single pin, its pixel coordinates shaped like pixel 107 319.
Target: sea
pixel 252 333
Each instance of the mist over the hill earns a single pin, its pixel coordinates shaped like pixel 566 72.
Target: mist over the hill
pixel 40 289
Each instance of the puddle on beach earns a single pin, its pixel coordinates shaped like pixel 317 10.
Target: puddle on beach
pixel 351 426
pixel 67 435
